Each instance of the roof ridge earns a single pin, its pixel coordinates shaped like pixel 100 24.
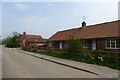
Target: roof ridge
pixel 102 23
pixel 90 25
pixel 70 29
pixel 33 35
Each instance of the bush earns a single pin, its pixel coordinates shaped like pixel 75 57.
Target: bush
pixel 74 45
pixel 11 42
pixel 26 48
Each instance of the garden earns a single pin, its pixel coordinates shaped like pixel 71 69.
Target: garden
pixel 111 60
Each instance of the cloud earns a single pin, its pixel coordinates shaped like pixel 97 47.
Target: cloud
pixel 20 6
pixel 34 24
pixel 50 3
pixel 33 21
pixel 59 0
pixel 0 21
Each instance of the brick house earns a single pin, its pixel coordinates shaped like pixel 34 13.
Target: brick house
pixel 33 41
pixel 102 36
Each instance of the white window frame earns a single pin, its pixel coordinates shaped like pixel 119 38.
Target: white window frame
pixel 110 44
pixel 94 46
pixel 85 46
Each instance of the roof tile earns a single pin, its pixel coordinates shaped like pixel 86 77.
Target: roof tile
pixel 109 29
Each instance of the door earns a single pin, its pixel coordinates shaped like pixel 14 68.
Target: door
pixel 94 45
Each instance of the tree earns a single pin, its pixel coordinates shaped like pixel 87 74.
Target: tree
pixel 6 40
pixel 11 41
pixel 74 45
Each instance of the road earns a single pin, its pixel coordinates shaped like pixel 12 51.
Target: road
pixel 19 65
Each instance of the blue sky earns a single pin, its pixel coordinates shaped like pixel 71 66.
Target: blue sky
pixel 46 18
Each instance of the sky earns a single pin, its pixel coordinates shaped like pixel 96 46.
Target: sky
pixel 46 18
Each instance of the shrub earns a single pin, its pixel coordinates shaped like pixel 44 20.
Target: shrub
pixel 74 45
pixel 11 42
pixel 26 48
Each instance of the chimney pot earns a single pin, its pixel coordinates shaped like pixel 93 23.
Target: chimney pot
pixel 24 33
pixel 83 24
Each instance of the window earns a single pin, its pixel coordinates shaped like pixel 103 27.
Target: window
pixel 65 44
pixel 118 43
pixel 108 43
pixel 85 44
pixel 112 43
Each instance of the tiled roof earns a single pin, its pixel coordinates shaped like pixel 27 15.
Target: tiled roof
pixel 30 37
pixel 36 40
pixel 108 29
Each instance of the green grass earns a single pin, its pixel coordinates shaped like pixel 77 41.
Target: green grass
pixel 0 42
pixel 109 60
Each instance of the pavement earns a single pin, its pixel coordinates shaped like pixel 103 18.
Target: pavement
pixel 102 71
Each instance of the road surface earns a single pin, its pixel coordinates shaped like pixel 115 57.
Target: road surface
pixel 19 65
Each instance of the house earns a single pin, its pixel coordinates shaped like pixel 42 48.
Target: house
pixel 104 36
pixel 33 41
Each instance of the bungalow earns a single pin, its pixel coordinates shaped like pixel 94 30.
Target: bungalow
pixel 33 41
pixel 104 36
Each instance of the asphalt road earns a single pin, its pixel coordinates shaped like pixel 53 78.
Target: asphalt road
pixel 19 65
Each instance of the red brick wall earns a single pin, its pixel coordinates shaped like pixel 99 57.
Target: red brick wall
pixel 100 44
pixel 32 44
pixel 35 43
pixel 89 44
pixel 26 43
pixel 113 50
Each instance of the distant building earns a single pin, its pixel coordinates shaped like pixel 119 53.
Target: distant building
pixel 33 41
pixel 105 36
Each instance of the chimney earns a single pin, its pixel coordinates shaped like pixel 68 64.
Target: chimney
pixel 83 24
pixel 24 33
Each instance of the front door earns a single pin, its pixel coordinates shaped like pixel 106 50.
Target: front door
pixel 60 45
pixel 93 44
